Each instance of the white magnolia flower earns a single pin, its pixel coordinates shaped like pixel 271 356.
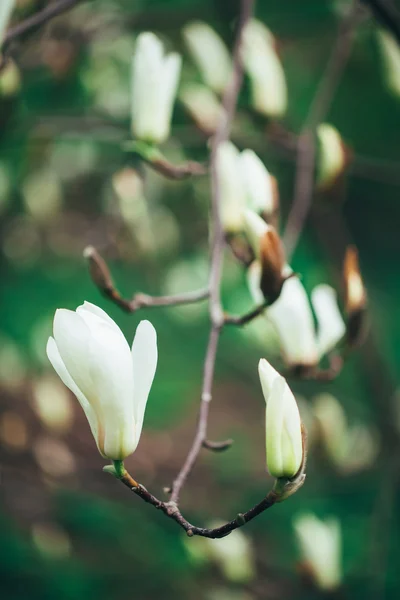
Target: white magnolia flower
pixel 245 183
pixel 283 424
pixel 268 83
pixel 92 357
pixel 155 78
pixel 291 316
pixel 210 55
pixel 331 155
pixel 321 546
pixel 6 9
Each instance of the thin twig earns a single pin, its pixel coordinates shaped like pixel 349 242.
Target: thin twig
pixel 246 318
pixel 306 145
pixel 34 22
pixel 216 312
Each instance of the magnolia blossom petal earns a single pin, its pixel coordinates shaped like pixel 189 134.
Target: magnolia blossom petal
pixel 255 228
pixel 168 88
pixel 144 357
pixel 283 424
pixel 62 371
pixel 331 327
pixel 293 320
pixel 258 183
pixel 96 310
pixel 231 187
pixel 6 8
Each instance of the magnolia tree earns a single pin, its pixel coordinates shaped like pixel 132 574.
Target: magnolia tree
pixel 111 380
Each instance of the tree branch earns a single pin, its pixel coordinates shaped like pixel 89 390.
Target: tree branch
pixel 306 146
pixel 34 22
pixel 247 317
pixel 216 312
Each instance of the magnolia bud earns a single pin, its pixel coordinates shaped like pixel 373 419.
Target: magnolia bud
pixel 320 544
pixel 231 187
pixel 155 78
pixel 268 249
pixel 210 54
pixel 391 60
pixel 355 297
pixel 203 106
pixel 331 327
pixel 268 84
pixel 283 424
pixel 332 157
pixel 111 382
pixel 98 270
pixel 261 187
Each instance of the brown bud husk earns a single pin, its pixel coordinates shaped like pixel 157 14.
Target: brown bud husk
pixel 355 298
pixel 98 270
pixel 272 258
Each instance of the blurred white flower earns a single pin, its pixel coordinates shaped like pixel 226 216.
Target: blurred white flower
pixel 261 61
pixel 91 356
pixel 244 183
pixel 155 78
pixel 210 55
pixel 283 424
pixel 391 60
pixel 321 547
pixel 203 106
pixel 331 156
pixel 291 315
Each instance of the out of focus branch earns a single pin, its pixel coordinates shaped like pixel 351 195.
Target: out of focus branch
pixel 306 145
pixel 387 14
pixel 101 276
pixel 35 21
pixel 218 242
pixel 246 318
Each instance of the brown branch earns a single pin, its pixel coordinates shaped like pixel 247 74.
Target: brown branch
pixel 306 145
pixel 34 22
pixel 246 318
pixel 216 312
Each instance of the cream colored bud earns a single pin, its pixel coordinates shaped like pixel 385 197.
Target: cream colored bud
pixel 355 294
pixel 262 64
pixel 391 60
pixel 283 424
pixel 91 356
pixel 260 186
pixel 210 55
pixel 331 327
pixel 332 156
pixel 203 106
pixel 231 187
pixel 321 547
pixel 155 78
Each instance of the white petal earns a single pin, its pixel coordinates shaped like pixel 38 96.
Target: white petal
pixel 259 188
pixel 230 182
pixel 268 377
pixel 331 327
pixel 62 371
pixel 96 310
pixel 6 8
pixel 255 228
pixel 292 318
pixel 253 281
pixel 144 358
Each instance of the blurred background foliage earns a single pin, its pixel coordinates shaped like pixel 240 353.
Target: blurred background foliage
pixel 67 530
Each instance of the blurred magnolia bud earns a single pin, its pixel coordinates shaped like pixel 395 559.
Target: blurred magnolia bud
pixel 283 424
pixel 233 554
pixel 331 327
pixel 355 297
pixel 10 79
pixel 203 106
pixel 291 317
pixel 98 269
pixel 261 187
pixel 155 78
pixel 210 55
pixel 268 249
pixel 6 9
pixel 52 403
pixel 331 423
pixel 111 382
pixel 321 547
pixel 332 156
pixel 231 187
pixel 262 64
pixel 391 60
pixel 244 183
